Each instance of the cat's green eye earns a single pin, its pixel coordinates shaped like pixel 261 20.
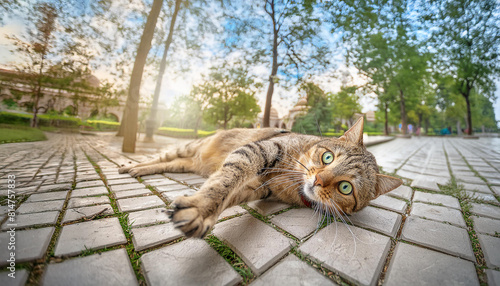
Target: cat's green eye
pixel 327 157
pixel 345 188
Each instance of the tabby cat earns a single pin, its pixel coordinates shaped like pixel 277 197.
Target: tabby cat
pixel 333 175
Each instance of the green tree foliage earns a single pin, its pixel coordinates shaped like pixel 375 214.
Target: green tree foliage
pixel 385 49
pixel 227 94
pixel 37 46
pixel 344 105
pixel 283 31
pixel 466 36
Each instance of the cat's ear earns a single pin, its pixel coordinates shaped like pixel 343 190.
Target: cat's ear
pixel 386 184
pixel 355 133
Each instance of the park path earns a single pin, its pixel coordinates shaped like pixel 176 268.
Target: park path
pixel 79 222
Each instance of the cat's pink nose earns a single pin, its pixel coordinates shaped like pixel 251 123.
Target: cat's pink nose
pixel 318 181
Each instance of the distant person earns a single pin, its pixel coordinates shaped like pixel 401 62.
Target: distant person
pixel 445 131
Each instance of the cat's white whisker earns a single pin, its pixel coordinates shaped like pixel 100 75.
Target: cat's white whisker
pixel 280 178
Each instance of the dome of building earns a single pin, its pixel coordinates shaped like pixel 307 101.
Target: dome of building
pixel 274 113
pixel 302 102
pixel 300 106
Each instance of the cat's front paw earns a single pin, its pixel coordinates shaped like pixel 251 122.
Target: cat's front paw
pixel 191 217
pixel 125 169
pixel 139 171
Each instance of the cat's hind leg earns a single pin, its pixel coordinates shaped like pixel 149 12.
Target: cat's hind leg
pixel 181 152
pixel 179 165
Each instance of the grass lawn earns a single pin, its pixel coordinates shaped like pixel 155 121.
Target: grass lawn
pixel 16 133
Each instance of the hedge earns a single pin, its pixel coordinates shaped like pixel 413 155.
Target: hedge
pixel 183 133
pixel 102 125
pixel 45 120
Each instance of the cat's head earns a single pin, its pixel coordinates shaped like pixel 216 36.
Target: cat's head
pixel 342 175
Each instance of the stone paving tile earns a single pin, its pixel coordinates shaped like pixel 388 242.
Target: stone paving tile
pixel 169 188
pixel 23 190
pixel 447 201
pixel 389 203
pixel 170 196
pixel 65 179
pixel 496 190
pixel 87 184
pixel 356 254
pixel 292 271
pixel 402 191
pixel 495 182
pixel 438 213
pixel 267 206
pixel 486 225
pixel 29 244
pixel 412 265
pixel 119 188
pixel 493 277
pixel 146 217
pixel 87 192
pixel 298 222
pixel 54 187
pixel 470 180
pixel 380 220
pixel 491 249
pixel 47 197
pixel 489 198
pixel 114 175
pixel 425 183
pixel 87 201
pixel 153 177
pixel 33 219
pixel 439 236
pixel 20 278
pixel 151 236
pixel 182 176
pixel 139 203
pixel 86 212
pixel 195 181
pixel 164 182
pixel 95 234
pixel 258 244
pixel 185 263
pixel 232 211
pixel 37 207
pixel 485 210
pixel 407 174
pixel 132 193
pixel 107 268
pixel 122 181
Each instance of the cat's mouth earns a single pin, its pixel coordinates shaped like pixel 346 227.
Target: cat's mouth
pixel 307 194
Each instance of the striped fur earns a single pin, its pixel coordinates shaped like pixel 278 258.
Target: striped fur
pixel 249 164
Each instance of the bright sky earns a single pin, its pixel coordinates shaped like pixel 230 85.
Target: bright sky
pixel 174 86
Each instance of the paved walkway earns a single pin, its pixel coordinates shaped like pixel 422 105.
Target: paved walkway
pixel 79 222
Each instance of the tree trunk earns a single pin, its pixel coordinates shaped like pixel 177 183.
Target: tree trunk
pixel 197 126
pixel 121 128
pixel 469 116
pixel 386 121
pixel 403 112
pixel 38 93
pixel 151 122
pixel 274 71
pixel 132 105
